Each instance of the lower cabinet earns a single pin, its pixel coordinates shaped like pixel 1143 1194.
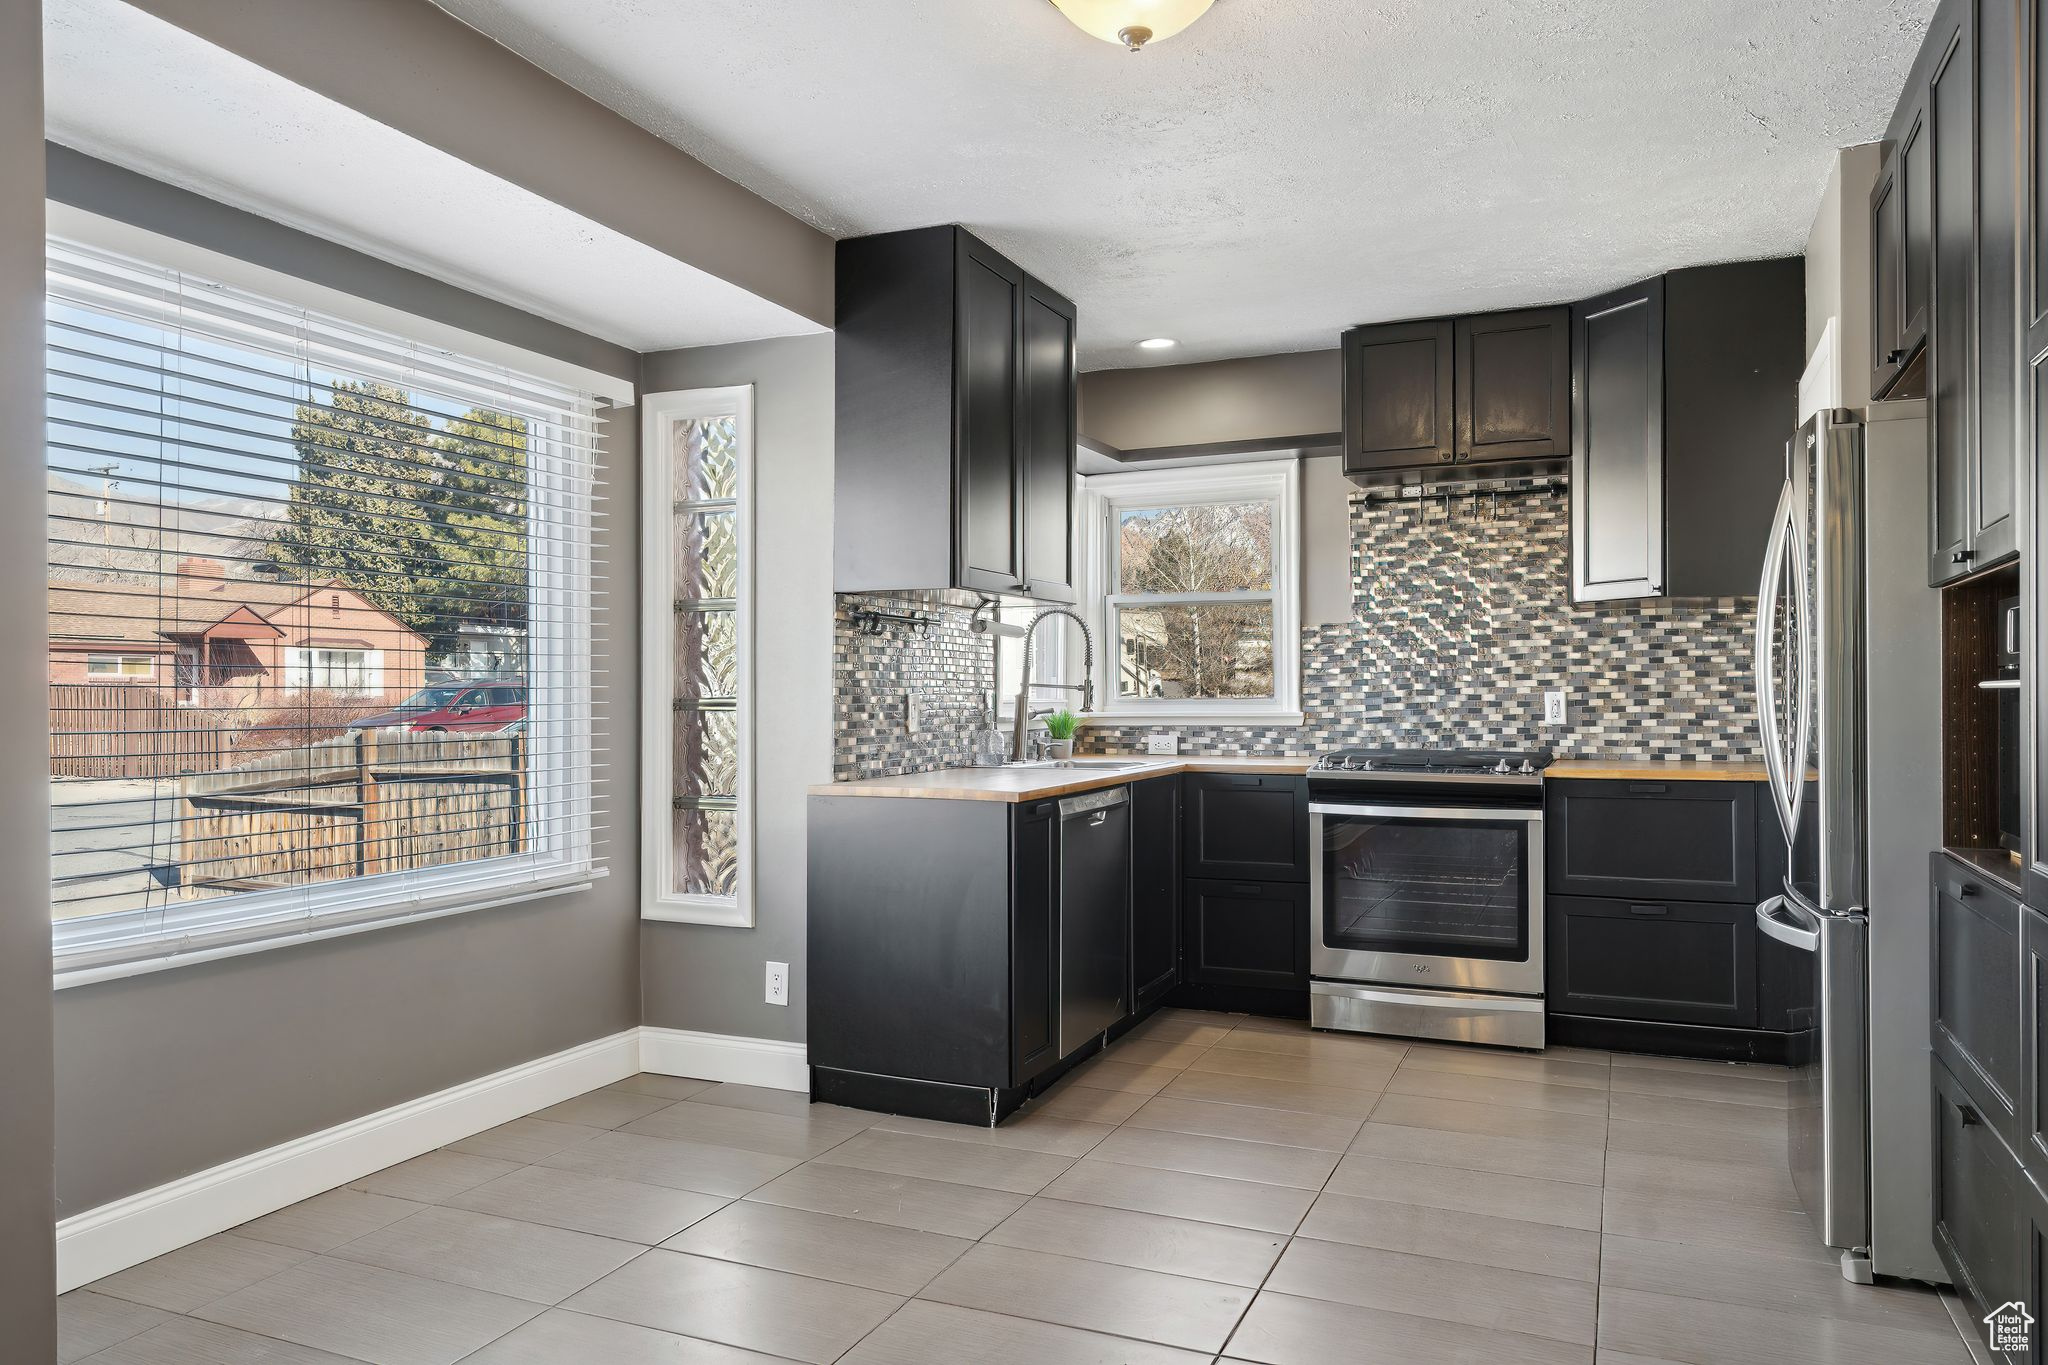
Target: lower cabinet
pixel 1155 890
pixel 1977 1001
pixel 2033 1126
pixel 1034 942
pixel 1671 962
pixel 1983 1203
pixel 1247 934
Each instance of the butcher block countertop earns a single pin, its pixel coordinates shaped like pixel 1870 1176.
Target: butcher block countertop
pixel 1036 784
pixel 1656 770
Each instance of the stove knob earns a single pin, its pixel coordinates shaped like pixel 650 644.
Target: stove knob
pixel 1365 765
pixel 1527 766
pixel 1502 767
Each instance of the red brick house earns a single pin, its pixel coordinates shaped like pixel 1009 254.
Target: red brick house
pixel 221 641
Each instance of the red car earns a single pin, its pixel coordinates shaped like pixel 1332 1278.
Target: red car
pixel 481 706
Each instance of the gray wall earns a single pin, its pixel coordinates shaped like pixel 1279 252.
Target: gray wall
pixel 416 68
pixel 27 1266
pixel 1257 402
pixel 169 1073
pixel 705 977
pixel 1838 266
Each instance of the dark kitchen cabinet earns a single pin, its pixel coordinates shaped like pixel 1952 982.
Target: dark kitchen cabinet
pixel 1399 411
pixel 1902 249
pixel 1667 962
pixel 1247 934
pixel 1977 996
pixel 956 420
pixel 2033 1125
pixel 1983 1202
pixel 937 961
pixel 1155 890
pixel 1684 392
pixel 1948 272
pixel 1424 400
pixel 2034 416
pixel 1246 826
pixel 1648 841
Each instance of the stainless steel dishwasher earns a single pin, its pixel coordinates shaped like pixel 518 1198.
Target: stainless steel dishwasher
pixel 1095 914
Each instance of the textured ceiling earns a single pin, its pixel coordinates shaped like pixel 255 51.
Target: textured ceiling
pixel 134 90
pixel 1286 167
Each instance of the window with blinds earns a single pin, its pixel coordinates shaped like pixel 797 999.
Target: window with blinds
pixel 697 473
pixel 320 608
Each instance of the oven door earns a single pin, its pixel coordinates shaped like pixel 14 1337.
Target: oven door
pixel 1443 896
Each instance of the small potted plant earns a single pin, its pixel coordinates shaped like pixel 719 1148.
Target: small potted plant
pixel 1059 734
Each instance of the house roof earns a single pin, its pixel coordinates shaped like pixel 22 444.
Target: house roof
pixel 176 605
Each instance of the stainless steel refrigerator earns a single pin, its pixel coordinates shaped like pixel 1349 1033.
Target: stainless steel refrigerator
pixel 1848 703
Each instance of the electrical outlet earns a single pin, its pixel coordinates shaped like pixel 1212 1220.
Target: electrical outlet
pixel 1553 708
pixel 913 713
pixel 1162 744
pixel 778 983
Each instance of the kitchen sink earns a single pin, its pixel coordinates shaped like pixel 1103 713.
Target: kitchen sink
pixel 1101 764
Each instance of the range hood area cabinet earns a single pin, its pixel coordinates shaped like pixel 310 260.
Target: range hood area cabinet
pixel 1457 398
pixel 1684 392
pixel 1945 272
pixel 957 420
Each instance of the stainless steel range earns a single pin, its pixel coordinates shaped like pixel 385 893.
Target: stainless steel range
pixel 1426 893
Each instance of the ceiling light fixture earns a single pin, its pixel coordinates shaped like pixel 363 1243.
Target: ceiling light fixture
pixel 1133 23
pixel 1157 344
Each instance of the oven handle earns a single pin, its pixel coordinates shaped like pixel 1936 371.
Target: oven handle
pixel 1534 815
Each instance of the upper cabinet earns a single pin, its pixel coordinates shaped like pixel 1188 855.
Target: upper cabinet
pixel 957 420
pixel 1457 397
pixel 1684 392
pixel 1946 274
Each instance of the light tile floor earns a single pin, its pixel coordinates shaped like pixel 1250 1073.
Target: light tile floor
pixel 1213 1187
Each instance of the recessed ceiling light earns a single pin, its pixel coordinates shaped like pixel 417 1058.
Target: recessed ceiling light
pixel 1157 344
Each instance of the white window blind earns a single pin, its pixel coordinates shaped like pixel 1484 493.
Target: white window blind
pixel 312 524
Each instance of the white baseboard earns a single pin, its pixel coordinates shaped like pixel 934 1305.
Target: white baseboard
pixel 724 1057
pixel 129 1231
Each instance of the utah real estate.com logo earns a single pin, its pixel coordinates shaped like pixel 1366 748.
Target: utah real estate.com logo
pixel 2009 1324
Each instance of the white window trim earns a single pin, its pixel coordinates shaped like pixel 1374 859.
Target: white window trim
pixel 119 669
pixel 560 860
pixel 657 658
pixel 1275 481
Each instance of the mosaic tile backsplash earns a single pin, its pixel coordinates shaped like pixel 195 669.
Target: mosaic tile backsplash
pixel 945 664
pixel 1461 620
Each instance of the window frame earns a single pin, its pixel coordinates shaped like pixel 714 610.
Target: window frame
pixel 658 900
pixel 120 662
pixel 1106 496
pixel 561 857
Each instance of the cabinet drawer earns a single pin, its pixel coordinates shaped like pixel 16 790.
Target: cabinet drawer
pixel 1977 990
pixel 1977 1199
pixel 1246 826
pixel 1247 934
pixel 1670 962
pixel 1650 841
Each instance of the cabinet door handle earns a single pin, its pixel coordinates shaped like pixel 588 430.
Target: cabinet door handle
pixel 1649 909
pixel 1962 556
pixel 1969 1115
pixel 1244 781
pixel 1647 788
pixel 1247 891
pixel 1894 357
pixel 1967 890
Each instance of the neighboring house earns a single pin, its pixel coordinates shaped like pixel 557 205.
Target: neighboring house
pixel 220 641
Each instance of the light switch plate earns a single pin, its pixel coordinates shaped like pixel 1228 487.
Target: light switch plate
pixel 1553 708
pixel 778 983
pixel 1167 744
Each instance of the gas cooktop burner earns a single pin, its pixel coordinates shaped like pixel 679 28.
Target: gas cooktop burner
pixel 1522 763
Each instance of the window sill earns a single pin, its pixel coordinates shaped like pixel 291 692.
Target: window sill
pixel 730 914
pixel 1139 719
pixel 66 974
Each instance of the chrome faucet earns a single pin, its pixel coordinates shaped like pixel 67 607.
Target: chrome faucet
pixel 1086 687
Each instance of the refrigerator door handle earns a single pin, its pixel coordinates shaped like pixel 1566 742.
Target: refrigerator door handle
pixel 1787 541
pixel 1773 918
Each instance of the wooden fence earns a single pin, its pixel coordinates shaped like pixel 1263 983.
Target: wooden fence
pixel 374 801
pixel 116 730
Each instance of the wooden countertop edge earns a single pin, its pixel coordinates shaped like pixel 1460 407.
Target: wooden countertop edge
pixel 981 784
